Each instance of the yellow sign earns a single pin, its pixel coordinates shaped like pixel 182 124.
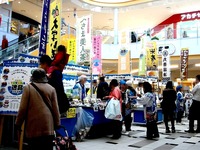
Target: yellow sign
pixel 5 1
pixel 71 50
pixel 152 59
pixel 71 113
pixel 54 28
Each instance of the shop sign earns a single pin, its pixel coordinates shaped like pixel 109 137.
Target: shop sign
pixel 70 68
pixel 118 77
pixel 152 59
pixel 96 59
pixel 14 77
pixel 55 27
pixel 184 63
pixel 71 50
pixel 5 1
pixel 165 66
pixel 84 41
pixel 44 27
pixel 190 16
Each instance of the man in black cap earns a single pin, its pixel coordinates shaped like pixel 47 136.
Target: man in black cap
pixel 102 89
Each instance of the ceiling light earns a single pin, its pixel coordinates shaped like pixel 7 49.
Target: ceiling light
pixel 197 65
pixel 36 16
pixel 19 2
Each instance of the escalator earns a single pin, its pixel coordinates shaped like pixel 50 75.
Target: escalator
pixel 26 46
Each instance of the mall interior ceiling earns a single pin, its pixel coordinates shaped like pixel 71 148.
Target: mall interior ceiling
pixel 141 14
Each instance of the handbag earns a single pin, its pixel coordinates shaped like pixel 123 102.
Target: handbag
pixel 44 100
pixel 113 110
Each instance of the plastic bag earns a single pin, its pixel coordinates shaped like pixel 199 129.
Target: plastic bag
pixel 84 120
pixel 113 110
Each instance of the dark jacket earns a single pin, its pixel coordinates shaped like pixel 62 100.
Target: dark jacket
pixel 102 90
pixel 169 98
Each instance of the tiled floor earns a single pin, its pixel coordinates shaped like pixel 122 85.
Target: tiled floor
pixel 135 140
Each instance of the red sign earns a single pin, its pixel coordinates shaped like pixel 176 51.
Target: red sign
pixel 184 63
pixel 190 16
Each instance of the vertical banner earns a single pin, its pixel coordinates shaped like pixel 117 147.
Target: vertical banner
pixel 71 50
pixel 184 63
pixel 124 61
pixel 55 27
pixel 152 59
pixel 96 60
pixel 84 38
pixel 44 27
pixel 142 65
pixel 166 76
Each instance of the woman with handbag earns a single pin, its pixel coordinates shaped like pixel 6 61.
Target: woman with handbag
pixel 148 100
pixel 115 94
pixel 39 110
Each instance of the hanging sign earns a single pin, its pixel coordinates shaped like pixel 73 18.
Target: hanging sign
pixel 142 65
pixel 152 59
pixel 14 77
pixel 70 68
pixel 124 61
pixel 44 27
pixel 71 50
pixel 96 60
pixel 55 27
pixel 84 41
pixel 165 66
pixel 184 63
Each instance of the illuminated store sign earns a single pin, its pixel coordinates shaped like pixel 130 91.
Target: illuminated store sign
pixel 190 16
pixel 5 1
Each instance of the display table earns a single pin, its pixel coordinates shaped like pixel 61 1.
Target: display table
pixel 138 116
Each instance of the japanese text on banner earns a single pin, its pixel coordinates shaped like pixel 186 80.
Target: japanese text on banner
pixel 44 28
pixel 124 61
pixel 184 63
pixel 71 50
pixel 152 59
pixel 165 66
pixel 55 27
pixel 84 43
pixel 96 61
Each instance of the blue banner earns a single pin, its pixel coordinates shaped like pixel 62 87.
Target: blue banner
pixel 44 27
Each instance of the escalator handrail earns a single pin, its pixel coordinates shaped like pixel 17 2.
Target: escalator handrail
pixel 17 43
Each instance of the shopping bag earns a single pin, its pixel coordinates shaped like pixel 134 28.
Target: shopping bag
pixel 113 110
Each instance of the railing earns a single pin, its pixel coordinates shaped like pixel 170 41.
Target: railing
pixel 26 46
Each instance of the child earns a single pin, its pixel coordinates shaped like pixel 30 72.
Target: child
pixel 60 60
pixel 179 104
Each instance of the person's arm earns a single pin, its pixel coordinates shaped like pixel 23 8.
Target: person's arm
pixel 194 90
pixel 22 113
pixel 55 109
pixel 58 58
pixel 180 97
pixel 143 100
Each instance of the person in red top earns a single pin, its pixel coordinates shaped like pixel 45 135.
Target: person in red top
pixel 60 60
pixel 116 94
pixel 4 42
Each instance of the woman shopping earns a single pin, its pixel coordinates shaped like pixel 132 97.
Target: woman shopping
pixel 115 94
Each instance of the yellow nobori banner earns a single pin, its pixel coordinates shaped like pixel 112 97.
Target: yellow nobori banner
pixel 71 50
pixel 54 27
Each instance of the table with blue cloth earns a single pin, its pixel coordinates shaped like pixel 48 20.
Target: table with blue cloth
pixel 100 125
pixel 138 116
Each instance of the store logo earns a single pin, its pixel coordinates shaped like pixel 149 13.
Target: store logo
pixel 5 1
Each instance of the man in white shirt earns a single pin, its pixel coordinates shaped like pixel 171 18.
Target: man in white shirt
pixel 195 107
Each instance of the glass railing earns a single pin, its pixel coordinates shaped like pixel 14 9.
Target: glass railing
pixel 26 46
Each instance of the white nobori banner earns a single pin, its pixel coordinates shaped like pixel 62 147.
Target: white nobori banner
pixel 84 38
pixel 166 72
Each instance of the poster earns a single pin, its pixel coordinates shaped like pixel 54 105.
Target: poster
pixel 124 61
pixel 54 28
pixel 184 63
pixel 44 27
pixel 96 60
pixel 142 65
pixel 14 77
pixel 23 58
pixel 68 82
pixel 71 50
pixel 166 75
pixel 71 113
pixel 84 38
pixel 152 59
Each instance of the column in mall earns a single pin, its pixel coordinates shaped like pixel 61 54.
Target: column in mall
pixel 116 15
